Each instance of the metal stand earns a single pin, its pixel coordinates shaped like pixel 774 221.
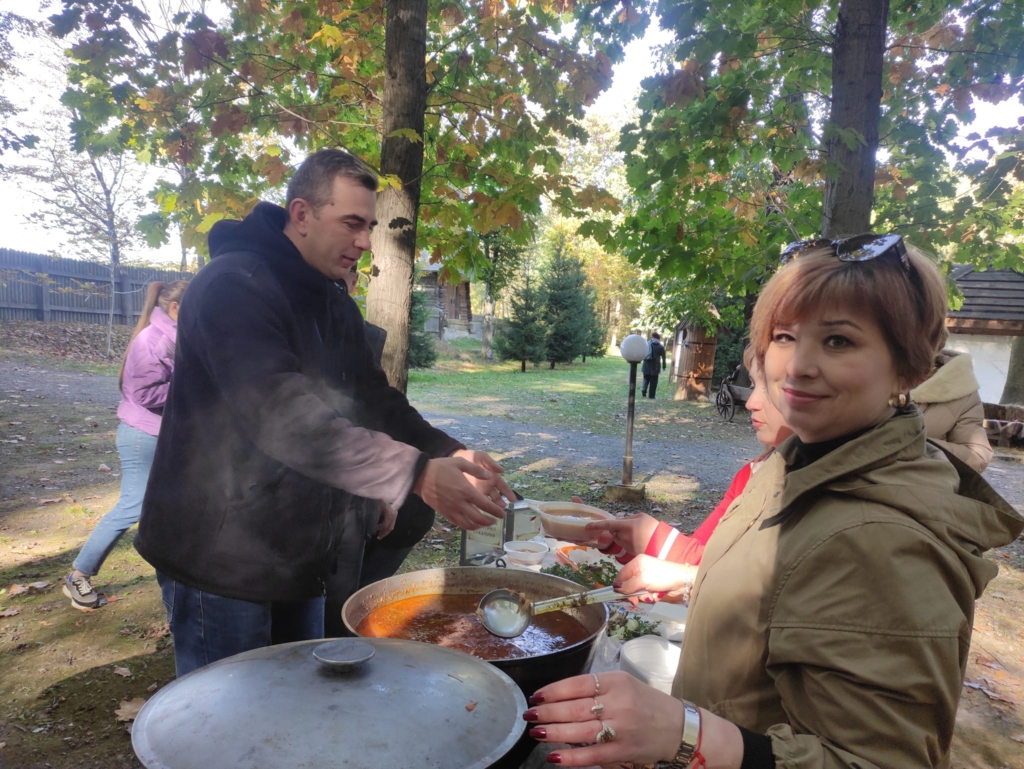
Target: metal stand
pixel 626 491
pixel 627 458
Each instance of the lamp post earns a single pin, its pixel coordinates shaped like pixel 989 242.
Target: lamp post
pixel 634 349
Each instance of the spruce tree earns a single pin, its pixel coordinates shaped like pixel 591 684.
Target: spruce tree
pixel 565 306
pixel 422 353
pixel 522 337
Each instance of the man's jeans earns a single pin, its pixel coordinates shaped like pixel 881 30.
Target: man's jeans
pixel 136 450
pixel 209 627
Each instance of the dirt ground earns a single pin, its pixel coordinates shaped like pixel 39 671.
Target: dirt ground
pixel 64 674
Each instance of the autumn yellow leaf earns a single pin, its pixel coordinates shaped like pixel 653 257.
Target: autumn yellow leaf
pixel 129 709
pixel 408 134
pixel 452 15
pixel 508 214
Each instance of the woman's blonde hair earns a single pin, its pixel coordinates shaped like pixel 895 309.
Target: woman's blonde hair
pixel 157 293
pixel 909 306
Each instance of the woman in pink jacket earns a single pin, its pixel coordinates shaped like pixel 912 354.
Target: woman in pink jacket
pixel 145 379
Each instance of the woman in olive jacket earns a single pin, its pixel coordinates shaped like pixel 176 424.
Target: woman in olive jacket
pixel 830 620
pixel 953 413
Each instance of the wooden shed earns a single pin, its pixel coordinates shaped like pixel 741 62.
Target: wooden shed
pixel 993 307
pixel 451 300
pixel 993 302
pixel 693 361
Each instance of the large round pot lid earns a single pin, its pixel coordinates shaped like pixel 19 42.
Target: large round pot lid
pixel 410 705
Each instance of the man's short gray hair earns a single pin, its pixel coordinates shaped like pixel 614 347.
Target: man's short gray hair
pixel 314 180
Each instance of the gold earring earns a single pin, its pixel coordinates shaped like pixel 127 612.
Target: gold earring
pixel 899 401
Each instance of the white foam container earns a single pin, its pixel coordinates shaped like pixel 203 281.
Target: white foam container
pixel 651 659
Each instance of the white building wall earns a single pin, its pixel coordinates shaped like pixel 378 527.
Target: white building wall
pixel 991 355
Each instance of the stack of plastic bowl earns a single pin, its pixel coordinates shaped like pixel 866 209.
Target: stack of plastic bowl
pixel 652 659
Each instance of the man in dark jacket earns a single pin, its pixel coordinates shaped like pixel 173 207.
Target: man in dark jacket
pixel 651 368
pixel 276 417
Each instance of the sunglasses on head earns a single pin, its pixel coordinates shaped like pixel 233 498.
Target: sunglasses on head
pixel 859 248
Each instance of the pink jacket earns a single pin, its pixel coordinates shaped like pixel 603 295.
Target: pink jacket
pixel 147 374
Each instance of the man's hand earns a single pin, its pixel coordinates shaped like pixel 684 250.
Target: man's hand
pixel 443 485
pixel 495 487
pixel 388 516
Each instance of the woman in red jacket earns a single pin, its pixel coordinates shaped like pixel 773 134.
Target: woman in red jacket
pixel 656 556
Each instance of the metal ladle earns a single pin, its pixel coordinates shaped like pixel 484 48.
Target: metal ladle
pixel 507 614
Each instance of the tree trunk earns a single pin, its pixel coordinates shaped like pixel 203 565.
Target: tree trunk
pixel 523 367
pixel 488 329
pixel 857 54
pixel 110 315
pixel 115 268
pixel 1013 390
pixel 389 300
pixel 184 253
pixel 618 320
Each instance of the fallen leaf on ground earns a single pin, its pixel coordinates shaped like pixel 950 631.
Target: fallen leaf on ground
pixel 1018 738
pixel 104 469
pixel 152 687
pixel 39 586
pixel 17 590
pixel 10 612
pixel 129 709
pixel 471 706
pixel 988 662
pixel 989 693
pixel 125 672
pixel 3 745
pixel 111 599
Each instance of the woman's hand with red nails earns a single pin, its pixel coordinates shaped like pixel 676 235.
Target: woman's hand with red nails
pixel 648 724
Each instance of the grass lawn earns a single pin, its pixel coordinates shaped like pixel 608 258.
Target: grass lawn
pixel 581 396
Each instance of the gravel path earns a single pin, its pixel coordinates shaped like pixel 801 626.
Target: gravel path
pixel 710 462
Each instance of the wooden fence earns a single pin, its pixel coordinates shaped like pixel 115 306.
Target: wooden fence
pixel 36 287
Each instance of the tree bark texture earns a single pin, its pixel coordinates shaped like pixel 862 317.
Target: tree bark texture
pixel 389 300
pixel 488 325
pixel 1013 390
pixel 857 57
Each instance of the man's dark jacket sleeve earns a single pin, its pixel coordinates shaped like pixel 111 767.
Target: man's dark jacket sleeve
pixel 247 352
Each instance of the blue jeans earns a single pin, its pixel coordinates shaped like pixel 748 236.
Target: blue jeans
pixel 208 627
pixel 136 450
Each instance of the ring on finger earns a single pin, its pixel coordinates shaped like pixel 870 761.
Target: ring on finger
pixel 597 685
pixel 597 708
pixel 607 734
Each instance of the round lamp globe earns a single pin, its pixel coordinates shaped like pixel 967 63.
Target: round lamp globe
pixel 633 348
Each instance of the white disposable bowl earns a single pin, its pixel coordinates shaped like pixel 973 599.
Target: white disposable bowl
pixel 652 659
pixel 526 552
pixel 568 520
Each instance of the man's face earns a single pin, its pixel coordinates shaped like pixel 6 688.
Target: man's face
pixel 332 239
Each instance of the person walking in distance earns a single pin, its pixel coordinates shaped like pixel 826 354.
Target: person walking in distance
pixel 651 368
pixel 144 381
pixel 278 417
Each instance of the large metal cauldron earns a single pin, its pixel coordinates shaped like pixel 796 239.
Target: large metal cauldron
pixel 530 673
